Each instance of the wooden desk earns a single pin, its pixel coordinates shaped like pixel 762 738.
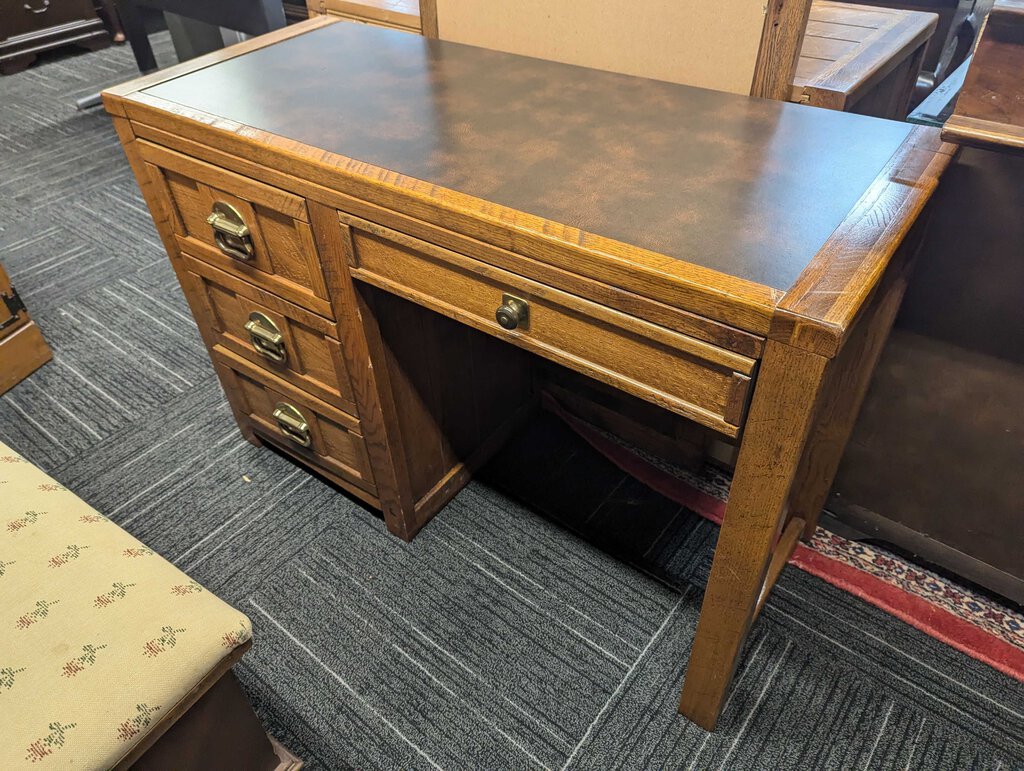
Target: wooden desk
pixel 350 209
pixel 861 59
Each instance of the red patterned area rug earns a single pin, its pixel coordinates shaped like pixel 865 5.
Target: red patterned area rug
pixel 956 615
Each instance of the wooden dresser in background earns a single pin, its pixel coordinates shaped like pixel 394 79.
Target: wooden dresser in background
pixel 861 59
pixel 22 347
pixel 29 27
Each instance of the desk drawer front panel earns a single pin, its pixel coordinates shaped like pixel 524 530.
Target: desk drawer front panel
pixel 304 425
pixel 242 226
pixel 284 339
pixel 685 375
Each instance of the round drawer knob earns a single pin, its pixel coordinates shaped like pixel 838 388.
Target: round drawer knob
pixel 513 313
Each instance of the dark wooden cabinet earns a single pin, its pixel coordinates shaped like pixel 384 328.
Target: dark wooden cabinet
pixel 935 462
pixel 29 27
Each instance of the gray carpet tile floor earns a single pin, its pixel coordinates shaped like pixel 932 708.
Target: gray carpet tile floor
pixel 541 621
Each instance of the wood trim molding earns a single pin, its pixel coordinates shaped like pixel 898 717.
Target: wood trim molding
pixel 819 310
pixel 986 134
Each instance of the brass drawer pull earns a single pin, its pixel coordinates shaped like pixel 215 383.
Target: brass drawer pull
pixel 266 337
pixel 230 232
pixel 292 423
pixel 513 313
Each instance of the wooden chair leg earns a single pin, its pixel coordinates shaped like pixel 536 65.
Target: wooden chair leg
pixel 776 432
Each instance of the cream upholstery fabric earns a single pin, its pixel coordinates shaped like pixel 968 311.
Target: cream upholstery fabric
pixel 99 636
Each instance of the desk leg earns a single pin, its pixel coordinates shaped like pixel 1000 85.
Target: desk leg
pixel 780 420
pixel 843 394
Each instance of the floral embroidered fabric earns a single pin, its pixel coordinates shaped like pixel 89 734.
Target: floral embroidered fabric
pixel 99 635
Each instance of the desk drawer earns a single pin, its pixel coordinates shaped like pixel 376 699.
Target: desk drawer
pixel 307 427
pixel 688 376
pixel 278 336
pixel 242 226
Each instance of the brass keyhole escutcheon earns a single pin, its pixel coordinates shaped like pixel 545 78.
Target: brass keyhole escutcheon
pixel 265 336
pixel 230 232
pixel 513 313
pixel 292 423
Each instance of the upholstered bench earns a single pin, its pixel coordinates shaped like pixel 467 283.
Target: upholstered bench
pixel 109 655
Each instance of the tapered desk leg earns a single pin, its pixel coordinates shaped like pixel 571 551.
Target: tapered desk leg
pixel 843 394
pixel 781 416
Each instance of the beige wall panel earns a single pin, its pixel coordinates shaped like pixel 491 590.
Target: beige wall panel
pixel 713 45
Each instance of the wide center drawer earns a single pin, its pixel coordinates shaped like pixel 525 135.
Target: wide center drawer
pixel 690 377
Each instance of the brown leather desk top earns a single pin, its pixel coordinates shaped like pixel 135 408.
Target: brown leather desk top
pixel 748 187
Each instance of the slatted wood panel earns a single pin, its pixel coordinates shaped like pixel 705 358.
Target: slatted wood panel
pixel 850 51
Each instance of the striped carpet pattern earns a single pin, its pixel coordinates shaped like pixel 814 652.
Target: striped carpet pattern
pixel 541 621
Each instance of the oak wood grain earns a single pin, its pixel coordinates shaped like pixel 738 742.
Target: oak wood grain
pixel 687 376
pixel 846 384
pixel 781 37
pixel 689 323
pixel 336 442
pixel 371 385
pixel 823 304
pixel 781 416
pixel 312 356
